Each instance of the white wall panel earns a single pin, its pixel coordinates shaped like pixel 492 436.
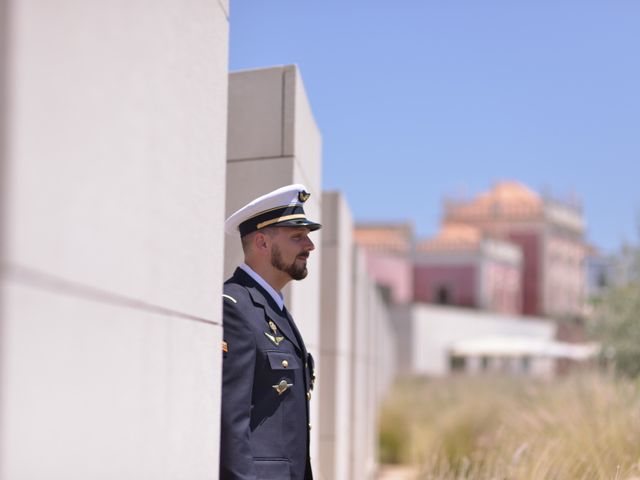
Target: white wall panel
pixel 102 391
pixel 256 123
pixel 117 128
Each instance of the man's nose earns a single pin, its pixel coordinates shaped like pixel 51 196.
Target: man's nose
pixel 310 245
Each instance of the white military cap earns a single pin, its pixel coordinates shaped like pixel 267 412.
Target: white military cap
pixel 280 208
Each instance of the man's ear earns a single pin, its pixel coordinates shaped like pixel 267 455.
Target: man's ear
pixel 261 242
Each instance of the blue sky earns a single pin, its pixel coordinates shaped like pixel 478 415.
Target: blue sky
pixel 417 100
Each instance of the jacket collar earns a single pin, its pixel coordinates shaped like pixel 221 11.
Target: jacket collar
pixel 263 299
pixel 277 296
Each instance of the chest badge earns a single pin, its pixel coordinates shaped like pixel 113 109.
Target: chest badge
pixel 282 387
pixel 274 337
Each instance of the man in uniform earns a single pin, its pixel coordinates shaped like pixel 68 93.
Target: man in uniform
pixel 267 374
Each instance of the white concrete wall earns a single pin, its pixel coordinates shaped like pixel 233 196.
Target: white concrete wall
pixel 370 315
pixel 436 329
pixel 274 141
pixel 361 288
pixel 115 188
pixel 358 351
pixel 376 351
pixel 385 349
pixel 401 320
pixel 334 366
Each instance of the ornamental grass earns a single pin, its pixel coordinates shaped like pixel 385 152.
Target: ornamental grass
pixel 575 427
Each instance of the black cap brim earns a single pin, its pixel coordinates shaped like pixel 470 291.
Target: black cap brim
pixel 302 222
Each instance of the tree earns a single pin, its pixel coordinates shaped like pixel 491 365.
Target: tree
pixel 616 319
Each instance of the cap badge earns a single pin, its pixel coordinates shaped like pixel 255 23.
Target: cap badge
pixel 303 196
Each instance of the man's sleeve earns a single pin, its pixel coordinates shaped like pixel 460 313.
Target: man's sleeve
pixel 236 459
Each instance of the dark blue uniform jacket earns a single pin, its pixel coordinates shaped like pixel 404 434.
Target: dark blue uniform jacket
pixel 264 432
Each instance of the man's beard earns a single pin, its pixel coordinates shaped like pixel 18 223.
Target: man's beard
pixel 295 272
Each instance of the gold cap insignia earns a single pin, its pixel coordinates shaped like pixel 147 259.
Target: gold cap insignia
pixel 303 196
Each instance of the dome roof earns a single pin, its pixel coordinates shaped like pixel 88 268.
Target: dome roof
pixel 452 236
pixel 510 194
pixel 507 199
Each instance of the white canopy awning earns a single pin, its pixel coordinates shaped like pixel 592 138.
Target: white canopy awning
pixel 514 346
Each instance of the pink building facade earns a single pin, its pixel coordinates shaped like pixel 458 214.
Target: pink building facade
pixel 459 267
pixel 446 284
pixel 550 235
pixel 394 273
pixel 388 250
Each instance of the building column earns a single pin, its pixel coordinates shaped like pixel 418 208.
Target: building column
pixel 335 338
pixel 111 280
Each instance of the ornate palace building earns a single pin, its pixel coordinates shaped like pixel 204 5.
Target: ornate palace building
pixel 549 235
pixel 508 250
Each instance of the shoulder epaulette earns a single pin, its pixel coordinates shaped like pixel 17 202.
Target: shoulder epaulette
pixel 224 295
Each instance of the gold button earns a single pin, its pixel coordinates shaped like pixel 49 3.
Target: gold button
pixel 285 364
pixel 309 395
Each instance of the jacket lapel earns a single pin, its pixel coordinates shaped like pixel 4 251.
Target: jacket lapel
pixel 262 298
pixel 296 332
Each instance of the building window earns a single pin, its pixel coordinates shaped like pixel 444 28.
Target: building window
pixel 457 363
pixel 602 280
pixel 386 293
pixel 525 364
pixel 443 296
pixel 484 363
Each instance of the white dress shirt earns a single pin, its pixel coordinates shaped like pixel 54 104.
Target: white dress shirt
pixel 277 296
